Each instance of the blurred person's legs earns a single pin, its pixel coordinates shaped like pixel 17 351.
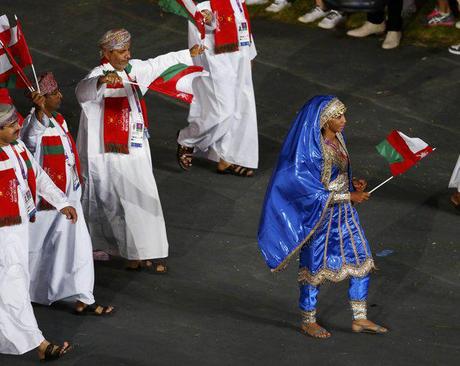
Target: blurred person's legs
pixel 394 24
pixel 278 5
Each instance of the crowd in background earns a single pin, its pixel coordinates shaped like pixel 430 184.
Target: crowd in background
pixel 389 21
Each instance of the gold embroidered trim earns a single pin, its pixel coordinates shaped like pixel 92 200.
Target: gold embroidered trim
pixel 361 235
pixel 327 235
pixel 340 234
pixel 334 109
pixel 359 309
pixel 326 274
pixel 353 244
pixel 308 317
pixel 286 260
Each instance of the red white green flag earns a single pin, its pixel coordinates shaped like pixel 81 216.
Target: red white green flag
pixel 13 39
pixel 186 9
pixel 176 81
pixel 402 152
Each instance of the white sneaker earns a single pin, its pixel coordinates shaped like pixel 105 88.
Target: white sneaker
pixel 312 15
pixel 367 29
pixel 457 25
pixel 392 40
pixel 256 2
pixel 455 49
pixel 333 19
pixel 277 6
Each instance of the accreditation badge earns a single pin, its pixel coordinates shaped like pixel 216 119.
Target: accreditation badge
pixel 243 34
pixel 137 134
pixel 29 200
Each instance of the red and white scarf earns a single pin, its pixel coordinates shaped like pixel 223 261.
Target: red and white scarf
pixel 9 184
pixel 117 110
pixel 57 150
pixel 226 33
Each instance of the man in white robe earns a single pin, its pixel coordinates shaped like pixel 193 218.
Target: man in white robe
pixel 455 183
pixel 60 256
pixel 20 178
pixel 120 196
pixel 222 118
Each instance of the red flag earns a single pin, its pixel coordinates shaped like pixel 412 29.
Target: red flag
pixel 18 46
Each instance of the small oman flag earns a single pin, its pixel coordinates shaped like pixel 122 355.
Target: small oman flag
pixel 402 152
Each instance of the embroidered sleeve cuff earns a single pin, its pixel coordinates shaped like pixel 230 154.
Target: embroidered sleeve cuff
pixel 341 197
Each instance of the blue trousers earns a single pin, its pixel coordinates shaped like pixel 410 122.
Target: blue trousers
pixel 357 291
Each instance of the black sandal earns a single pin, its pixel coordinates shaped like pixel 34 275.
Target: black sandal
pixel 54 352
pixel 183 153
pixel 92 310
pixel 238 170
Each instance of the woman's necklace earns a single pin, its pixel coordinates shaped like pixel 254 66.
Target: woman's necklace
pixel 340 153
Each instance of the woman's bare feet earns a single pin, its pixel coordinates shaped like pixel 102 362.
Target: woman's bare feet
pixel 366 326
pixel 314 330
pixel 49 352
pixel 455 199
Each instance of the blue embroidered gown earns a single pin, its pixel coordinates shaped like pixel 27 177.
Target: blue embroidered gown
pixel 307 206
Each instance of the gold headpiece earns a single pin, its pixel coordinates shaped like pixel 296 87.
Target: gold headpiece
pixel 334 109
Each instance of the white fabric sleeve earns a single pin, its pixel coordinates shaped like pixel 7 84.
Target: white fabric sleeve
pixel 148 70
pixel 88 91
pixel 33 130
pixel 46 187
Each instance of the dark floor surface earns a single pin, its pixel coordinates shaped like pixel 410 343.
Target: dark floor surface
pixel 220 305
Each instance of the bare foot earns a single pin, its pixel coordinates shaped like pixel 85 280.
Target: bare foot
pixel 48 351
pixel 315 330
pixel 366 326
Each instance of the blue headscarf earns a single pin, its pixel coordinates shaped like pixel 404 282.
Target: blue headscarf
pixel 296 199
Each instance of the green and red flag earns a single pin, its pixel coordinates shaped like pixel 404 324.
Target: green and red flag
pixel 402 152
pixel 176 81
pixel 186 9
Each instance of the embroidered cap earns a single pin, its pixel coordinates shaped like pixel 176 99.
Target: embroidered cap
pixel 334 109
pixel 8 114
pixel 47 83
pixel 115 39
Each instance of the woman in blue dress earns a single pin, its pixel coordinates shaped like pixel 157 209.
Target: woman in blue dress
pixel 309 209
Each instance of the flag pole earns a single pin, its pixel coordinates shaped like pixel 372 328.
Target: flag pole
pixel 33 67
pixel 17 68
pixel 381 184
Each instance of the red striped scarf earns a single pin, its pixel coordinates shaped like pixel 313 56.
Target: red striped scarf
pixel 116 114
pixel 54 159
pixel 9 197
pixel 226 34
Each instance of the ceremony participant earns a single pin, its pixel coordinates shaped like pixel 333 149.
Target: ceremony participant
pixel 120 196
pixel 455 183
pixel 21 178
pixel 309 209
pixel 60 256
pixel 222 117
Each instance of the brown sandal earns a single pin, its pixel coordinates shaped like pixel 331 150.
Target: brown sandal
pixel 238 170
pixel 53 351
pixel 184 153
